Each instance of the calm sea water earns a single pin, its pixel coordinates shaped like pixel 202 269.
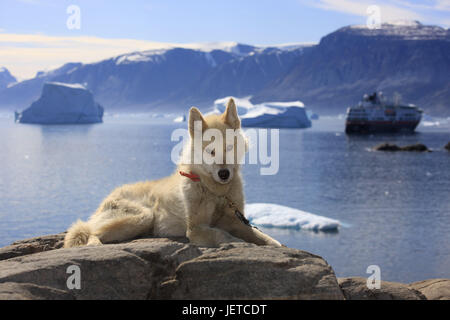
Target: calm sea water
pixel 394 206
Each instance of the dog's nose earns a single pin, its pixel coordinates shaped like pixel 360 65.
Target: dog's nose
pixel 224 174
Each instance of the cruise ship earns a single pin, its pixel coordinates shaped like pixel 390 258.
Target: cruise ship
pixel 375 114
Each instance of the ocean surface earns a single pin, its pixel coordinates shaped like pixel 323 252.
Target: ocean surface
pixel 394 207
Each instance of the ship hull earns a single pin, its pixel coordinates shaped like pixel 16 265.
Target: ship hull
pixel 380 126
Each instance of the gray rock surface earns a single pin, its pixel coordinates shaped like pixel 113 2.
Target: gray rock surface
pixel 164 269
pixel 356 289
pixel 433 289
pixel 28 291
pixel 243 271
pixel 33 245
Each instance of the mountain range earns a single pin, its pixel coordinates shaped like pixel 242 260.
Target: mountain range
pixel 407 59
pixel 6 78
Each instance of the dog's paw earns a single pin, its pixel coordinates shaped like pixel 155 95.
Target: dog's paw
pixel 275 243
pixel 93 241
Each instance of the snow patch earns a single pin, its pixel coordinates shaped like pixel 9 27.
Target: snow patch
pixel 291 46
pixel 278 216
pixel 404 23
pixel 391 23
pixel 144 56
pixel 404 29
pixel 67 85
pixel 210 59
pixel 230 47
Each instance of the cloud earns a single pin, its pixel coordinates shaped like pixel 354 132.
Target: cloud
pixel 29 1
pixel 359 8
pixel 25 54
pixel 430 12
pixel 438 5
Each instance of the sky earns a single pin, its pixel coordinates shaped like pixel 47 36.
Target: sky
pixel 44 34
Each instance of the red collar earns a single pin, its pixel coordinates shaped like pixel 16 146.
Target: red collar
pixel 190 175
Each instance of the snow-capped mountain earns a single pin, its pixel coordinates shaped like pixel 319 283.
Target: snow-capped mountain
pixel 6 78
pixel 405 57
pixel 401 29
pixel 167 78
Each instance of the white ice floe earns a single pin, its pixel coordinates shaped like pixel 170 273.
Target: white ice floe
pixel 278 216
pixel 431 123
pixel 436 122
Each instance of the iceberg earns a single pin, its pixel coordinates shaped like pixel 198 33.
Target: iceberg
pixel 62 103
pixel 278 216
pixel 268 114
pixel 180 119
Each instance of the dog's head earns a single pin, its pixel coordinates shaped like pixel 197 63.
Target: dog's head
pixel 217 144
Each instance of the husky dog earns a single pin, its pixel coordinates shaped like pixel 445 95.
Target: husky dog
pixel 202 201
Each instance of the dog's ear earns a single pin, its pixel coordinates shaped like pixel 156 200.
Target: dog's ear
pixel 196 115
pixel 230 116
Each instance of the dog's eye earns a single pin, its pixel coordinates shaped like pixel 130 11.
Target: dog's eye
pixel 229 147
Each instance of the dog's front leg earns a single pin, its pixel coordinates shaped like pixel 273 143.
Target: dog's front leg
pixel 199 230
pixel 205 236
pixel 231 223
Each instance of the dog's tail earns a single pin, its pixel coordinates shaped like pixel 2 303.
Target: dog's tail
pixel 77 235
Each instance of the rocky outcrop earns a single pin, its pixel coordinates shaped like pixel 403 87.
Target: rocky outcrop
pixel 386 147
pixel 419 147
pixel 416 147
pixel 251 272
pixel 433 289
pixel 356 289
pixel 33 245
pixel 164 269
pixel 28 291
pixel 447 146
pixel 160 268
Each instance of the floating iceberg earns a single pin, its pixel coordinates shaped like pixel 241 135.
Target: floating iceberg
pixel 431 123
pixel 278 216
pixel 268 114
pixel 62 103
pixel 180 119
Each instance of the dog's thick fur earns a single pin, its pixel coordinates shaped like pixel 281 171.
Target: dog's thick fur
pixel 176 205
